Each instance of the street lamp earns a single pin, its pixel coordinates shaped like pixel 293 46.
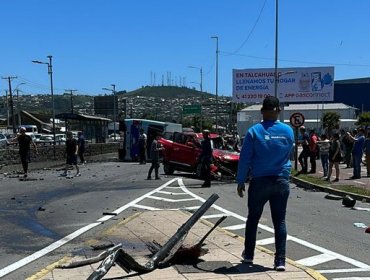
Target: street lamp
pixel 114 107
pixel 216 37
pixel 50 72
pixel 201 76
pixel 276 46
pixel 18 103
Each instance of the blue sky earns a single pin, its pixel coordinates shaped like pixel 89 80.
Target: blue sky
pixel 136 43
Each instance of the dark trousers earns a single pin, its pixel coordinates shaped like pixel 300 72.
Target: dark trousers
pixel 142 156
pixel 303 156
pixel 275 190
pixel 206 172
pixel 313 156
pixel 155 166
pixel 81 155
pixel 25 158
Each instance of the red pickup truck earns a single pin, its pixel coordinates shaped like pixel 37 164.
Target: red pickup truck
pixel 182 151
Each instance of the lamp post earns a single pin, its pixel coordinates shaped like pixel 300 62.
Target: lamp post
pixel 11 101
pixel 216 37
pixel 201 76
pixel 114 107
pixel 18 104
pixel 276 47
pixel 50 72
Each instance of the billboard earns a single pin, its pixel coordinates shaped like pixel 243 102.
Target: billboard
pixel 299 84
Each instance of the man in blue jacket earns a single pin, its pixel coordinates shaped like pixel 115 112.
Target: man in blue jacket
pixel 265 156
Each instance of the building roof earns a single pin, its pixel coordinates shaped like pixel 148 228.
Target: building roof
pixel 299 107
pixel 354 81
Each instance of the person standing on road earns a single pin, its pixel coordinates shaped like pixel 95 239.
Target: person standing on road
pixel 155 148
pixel 71 152
pixel 324 145
pixel 206 159
pixel 265 156
pixel 357 152
pixel 367 152
pixel 24 142
pixel 305 153
pixel 348 146
pixel 142 146
pixel 334 157
pixel 81 146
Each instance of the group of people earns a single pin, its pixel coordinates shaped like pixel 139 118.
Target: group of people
pixel 74 148
pixel 331 149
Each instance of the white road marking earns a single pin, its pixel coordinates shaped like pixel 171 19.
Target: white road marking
pixel 351 261
pixel 145 207
pixel 315 260
pixel 344 270
pixel 171 193
pixel 213 216
pixel 170 199
pixel 266 241
pixel 14 266
pixel 353 278
pixel 234 227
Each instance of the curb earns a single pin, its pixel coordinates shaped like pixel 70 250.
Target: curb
pixel 307 185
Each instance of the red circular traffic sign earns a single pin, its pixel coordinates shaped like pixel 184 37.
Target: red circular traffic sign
pixel 297 119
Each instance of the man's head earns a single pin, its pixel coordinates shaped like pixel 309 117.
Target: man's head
pixel 205 133
pixel 22 130
pixel 69 134
pixel 270 108
pixel 141 131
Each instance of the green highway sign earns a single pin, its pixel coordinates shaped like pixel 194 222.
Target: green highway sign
pixel 191 109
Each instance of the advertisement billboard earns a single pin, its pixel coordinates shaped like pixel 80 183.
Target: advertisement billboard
pixel 298 84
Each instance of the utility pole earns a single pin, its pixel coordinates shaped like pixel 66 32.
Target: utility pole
pixel 71 94
pixel 216 37
pixel 9 78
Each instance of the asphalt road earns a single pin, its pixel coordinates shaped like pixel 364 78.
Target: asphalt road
pixel 42 212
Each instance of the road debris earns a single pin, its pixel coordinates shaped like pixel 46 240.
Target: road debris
pixel 162 255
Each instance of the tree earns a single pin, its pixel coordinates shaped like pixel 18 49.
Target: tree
pixel 331 120
pixel 364 119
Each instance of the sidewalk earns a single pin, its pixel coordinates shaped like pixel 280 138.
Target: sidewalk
pixel 344 180
pixel 223 260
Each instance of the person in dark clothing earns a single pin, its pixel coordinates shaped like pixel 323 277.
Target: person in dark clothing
pixel 303 156
pixel 24 142
pixel 206 159
pixel 155 148
pixel 71 151
pixel 81 146
pixel 142 146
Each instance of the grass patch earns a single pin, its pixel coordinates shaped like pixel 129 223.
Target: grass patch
pixel 318 181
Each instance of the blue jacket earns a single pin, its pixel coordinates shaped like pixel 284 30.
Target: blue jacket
pixel 266 151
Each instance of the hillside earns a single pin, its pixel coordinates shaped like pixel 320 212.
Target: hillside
pixel 164 92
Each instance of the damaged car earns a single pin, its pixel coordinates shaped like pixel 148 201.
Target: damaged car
pixel 182 153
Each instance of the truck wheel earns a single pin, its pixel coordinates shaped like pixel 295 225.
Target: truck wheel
pixel 168 169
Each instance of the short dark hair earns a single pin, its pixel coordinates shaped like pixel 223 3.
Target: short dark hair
pixel 271 103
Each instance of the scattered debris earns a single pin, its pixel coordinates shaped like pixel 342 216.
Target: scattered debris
pixel 360 225
pixel 41 209
pixel 361 209
pixel 109 213
pixel 367 230
pixel 333 197
pixel 348 201
pixel 163 254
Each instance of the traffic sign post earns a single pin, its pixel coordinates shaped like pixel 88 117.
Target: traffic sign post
pixel 296 120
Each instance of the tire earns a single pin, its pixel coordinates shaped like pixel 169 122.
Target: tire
pixel 198 171
pixel 168 169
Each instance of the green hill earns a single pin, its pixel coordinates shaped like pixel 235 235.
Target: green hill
pixel 164 92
